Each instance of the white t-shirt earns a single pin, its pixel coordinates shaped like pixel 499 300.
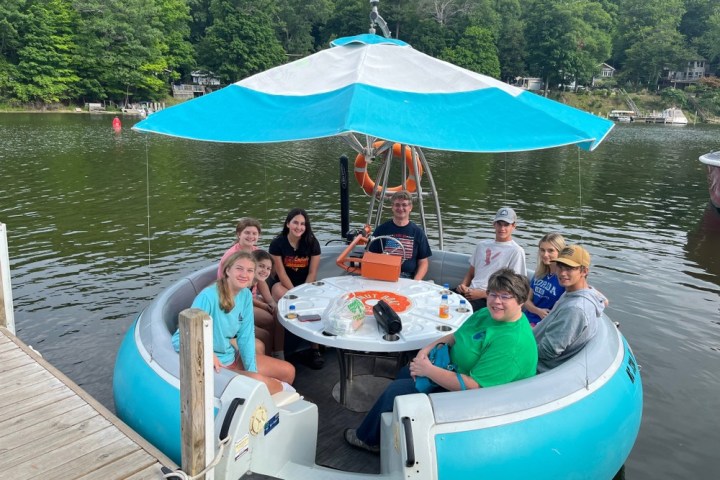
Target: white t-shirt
pixel 490 256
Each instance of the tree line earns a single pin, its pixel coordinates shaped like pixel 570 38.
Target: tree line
pixel 73 51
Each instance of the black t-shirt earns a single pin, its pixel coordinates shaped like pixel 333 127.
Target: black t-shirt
pixel 296 262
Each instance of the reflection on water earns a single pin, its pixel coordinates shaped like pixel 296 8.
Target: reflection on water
pixel 75 198
pixel 703 246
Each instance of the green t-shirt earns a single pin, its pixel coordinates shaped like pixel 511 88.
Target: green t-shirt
pixel 492 352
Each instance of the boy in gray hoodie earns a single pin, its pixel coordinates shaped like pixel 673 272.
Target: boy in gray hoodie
pixel 574 318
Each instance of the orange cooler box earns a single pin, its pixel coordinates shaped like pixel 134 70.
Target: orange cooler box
pixel 380 266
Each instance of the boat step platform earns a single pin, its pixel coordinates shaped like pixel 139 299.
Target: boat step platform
pixel 51 428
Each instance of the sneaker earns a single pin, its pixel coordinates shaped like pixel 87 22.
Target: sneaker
pixel 352 439
pixel 316 359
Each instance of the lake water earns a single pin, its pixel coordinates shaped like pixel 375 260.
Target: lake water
pixel 76 202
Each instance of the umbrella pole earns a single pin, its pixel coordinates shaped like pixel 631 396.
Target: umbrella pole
pixel 433 192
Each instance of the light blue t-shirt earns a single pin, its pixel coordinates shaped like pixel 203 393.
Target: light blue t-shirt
pixel 238 323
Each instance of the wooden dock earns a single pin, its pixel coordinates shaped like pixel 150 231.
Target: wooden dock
pixel 51 428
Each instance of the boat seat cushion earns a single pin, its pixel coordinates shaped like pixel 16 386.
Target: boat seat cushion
pixel 181 298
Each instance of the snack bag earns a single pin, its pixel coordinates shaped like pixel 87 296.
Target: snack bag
pixel 344 315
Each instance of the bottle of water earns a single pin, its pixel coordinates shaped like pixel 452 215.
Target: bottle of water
pixel 292 314
pixel 446 289
pixel 444 307
pixel 463 308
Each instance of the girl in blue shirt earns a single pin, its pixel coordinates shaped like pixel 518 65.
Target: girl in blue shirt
pixel 545 289
pixel 229 303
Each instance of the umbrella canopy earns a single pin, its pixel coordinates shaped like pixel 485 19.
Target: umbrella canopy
pixel 381 88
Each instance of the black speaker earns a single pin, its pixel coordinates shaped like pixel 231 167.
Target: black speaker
pixel 387 318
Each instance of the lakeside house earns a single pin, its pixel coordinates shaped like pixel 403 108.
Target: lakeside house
pixel 201 83
pixel 607 71
pixel 693 72
pixel 529 83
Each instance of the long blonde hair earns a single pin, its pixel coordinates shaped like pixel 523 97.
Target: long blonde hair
pixel 558 243
pixel 227 300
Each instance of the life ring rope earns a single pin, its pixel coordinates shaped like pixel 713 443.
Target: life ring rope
pixel 411 180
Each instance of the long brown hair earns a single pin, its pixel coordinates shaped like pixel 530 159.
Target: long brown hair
pixel 227 300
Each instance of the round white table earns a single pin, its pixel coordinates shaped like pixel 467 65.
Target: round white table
pixel 416 302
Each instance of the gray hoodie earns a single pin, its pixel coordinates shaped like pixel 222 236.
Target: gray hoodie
pixel 568 327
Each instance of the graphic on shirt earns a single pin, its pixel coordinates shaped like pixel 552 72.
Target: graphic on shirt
pixel 296 263
pixel 542 286
pixel 479 336
pixel 369 298
pixel 393 246
pixel 489 256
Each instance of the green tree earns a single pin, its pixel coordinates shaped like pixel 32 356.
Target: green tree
pixel 241 41
pixel 200 19
pixel 475 51
pixel 676 97
pixel 11 16
pixel 708 44
pixel 123 47
pixel 349 17
pixel 639 19
pixel 648 57
pixel 695 21
pixel 510 36
pixel 566 40
pixel 44 71
pixel 296 21
pixel 174 22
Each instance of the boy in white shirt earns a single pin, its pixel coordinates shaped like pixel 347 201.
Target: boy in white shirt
pixel 490 256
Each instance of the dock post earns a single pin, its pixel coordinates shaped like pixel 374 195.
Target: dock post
pixel 7 318
pixel 196 391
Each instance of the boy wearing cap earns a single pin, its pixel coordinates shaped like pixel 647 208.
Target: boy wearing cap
pixel 490 256
pixel 574 318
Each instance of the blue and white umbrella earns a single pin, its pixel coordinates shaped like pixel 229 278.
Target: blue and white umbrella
pixel 382 88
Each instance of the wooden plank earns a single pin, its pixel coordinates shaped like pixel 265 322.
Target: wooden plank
pixel 22 379
pixel 51 396
pixel 195 389
pixel 8 398
pixel 5 345
pixel 44 461
pixel 20 370
pixel 50 426
pixel 94 460
pixel 125 467
pixel 53 441
pixel 152 472
pixel 9 364
pixel 127 431
pixel 9 354
pixel 37 431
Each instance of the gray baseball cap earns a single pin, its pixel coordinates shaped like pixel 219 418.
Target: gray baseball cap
pixel 505 214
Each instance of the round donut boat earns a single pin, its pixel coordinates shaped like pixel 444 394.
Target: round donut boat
pixel 579 420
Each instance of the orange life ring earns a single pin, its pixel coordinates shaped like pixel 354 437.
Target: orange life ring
pixel 367 184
